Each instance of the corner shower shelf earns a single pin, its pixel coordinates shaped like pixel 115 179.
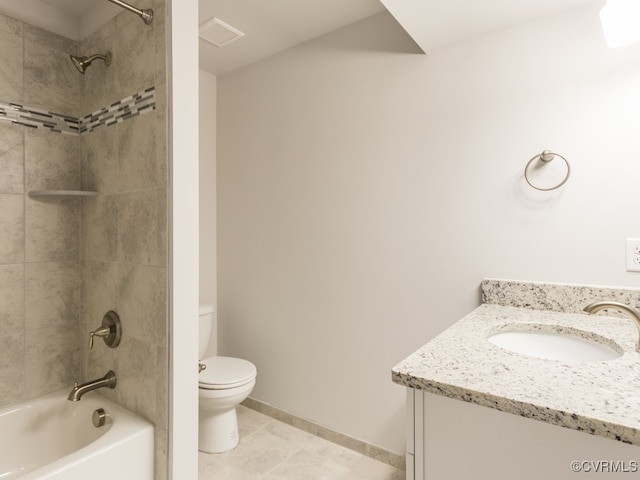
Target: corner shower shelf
pixel 62 193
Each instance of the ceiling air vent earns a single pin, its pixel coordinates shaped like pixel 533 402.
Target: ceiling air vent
pixel 219 33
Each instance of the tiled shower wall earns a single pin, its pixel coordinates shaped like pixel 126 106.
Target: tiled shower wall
pixel 65 262
pixel 39 240
pixel 124 230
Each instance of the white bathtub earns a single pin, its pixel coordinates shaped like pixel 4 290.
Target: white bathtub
pixel 53 438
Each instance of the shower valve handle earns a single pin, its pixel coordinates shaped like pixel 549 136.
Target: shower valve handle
pixel 100 332
pixel 110 330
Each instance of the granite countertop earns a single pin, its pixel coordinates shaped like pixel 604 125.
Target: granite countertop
pixel 601 398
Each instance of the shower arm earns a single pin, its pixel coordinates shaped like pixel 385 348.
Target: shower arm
pixel 146 15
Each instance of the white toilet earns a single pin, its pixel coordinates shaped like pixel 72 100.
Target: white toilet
pixel 223 384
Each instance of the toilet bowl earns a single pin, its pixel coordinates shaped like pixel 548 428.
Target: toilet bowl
pixel 223 382
pixel 222 385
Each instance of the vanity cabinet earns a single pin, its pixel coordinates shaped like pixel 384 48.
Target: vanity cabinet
pixel 449 439
pixel 479 410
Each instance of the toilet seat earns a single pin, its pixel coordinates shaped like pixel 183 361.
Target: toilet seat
pixel 222 373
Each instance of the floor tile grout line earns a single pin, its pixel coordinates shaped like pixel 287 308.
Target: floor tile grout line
pixel 264 475
pixel 271 421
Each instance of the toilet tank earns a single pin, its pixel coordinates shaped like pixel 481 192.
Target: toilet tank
pixel 206 327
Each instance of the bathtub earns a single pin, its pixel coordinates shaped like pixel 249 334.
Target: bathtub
pixel 52 438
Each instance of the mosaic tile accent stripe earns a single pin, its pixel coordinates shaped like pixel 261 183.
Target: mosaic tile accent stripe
pixel 35 118
pixel 119 111
pixel 136 104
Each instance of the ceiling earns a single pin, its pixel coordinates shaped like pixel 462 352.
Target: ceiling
pixel 434 24
pixel 74 19
pixel 275 25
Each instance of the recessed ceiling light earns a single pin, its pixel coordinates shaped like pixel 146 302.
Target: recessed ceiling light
pixel 219 33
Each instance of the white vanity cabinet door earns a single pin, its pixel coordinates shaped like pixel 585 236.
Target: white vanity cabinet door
pixel 456 440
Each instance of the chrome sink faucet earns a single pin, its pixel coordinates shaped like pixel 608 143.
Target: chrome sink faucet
pixel 108 381
pixel 597 306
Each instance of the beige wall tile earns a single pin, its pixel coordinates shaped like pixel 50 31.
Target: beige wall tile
pixel 142 304
pixel 99 38
pixel 52 227
pixel 134 48
pixel 136 377
pixel 11 369
pixel 99 295
pixel 137 163
pixel 11 72
pixel 161 257
pixel 49 39
pixel 100 228
pixel 126 164
pixel 12 299
pixel 53 293
pixel 161 443
pixel 11 228
pixel 11 25
pixel 11 159
pixel 51 82
pixel 161 419
pixel 160 48
pixel 100 161
pixel 52 359
pixel 139 225
pixel 98 83
pixel 52 161
pixel 99 292
pixel 161 135
pixel 52 302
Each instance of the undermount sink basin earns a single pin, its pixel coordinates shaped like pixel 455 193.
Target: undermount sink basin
pixel 551 345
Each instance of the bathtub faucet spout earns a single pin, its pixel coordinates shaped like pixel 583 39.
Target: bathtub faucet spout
pixel 108 381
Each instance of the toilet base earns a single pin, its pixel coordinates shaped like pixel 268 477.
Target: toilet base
pixel 218 421
pixel 218 430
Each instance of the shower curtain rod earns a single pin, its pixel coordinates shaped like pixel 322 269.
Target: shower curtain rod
pixel 146 15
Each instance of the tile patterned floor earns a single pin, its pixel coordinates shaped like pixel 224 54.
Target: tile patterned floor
pixel 272 450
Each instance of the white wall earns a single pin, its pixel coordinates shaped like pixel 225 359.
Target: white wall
pixel 208 264
pixel 363 193
pixel 183 231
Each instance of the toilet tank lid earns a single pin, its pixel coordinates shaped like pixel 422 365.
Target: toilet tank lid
pixel 206 309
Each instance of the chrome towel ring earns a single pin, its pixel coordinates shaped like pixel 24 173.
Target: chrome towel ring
pixel 545 157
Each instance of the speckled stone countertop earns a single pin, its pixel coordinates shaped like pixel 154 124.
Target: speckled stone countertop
pixel 601 398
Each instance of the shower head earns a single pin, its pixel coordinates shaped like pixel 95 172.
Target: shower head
pixel 81 63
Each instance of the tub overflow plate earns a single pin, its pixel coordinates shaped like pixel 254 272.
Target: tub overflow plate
pixel 99 417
